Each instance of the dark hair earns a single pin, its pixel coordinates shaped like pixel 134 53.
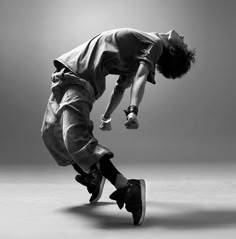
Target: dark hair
pixel 175 65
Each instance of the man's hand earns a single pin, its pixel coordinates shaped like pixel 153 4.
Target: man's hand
pixel 105 124
pixel 132 121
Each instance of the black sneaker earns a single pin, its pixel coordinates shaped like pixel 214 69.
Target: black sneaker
pixel 134 197
pixel 94 181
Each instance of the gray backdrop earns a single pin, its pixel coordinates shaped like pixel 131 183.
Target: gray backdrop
pixel 188 120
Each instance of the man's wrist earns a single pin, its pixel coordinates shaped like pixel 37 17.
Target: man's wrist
pixel 106 119
pixel 131 109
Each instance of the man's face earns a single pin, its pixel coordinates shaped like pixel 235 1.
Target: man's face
pixel 176 39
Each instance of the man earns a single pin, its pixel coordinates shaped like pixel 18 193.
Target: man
pixel 80 80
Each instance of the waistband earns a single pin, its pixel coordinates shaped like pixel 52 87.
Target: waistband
pixel 63 78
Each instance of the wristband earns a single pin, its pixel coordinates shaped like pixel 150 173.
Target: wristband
pixel 106 121
pixel 131 109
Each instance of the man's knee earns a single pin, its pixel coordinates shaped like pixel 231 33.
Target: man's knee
pixel 44 132
pixel 75 139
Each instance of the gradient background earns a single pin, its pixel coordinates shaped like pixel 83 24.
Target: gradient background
pixel 189 120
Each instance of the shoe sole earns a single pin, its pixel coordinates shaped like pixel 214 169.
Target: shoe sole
pixel 143 198
pixel 95 200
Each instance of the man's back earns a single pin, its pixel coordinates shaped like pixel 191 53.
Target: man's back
pixel 118 51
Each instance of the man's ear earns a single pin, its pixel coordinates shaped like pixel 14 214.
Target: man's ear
pixel 172 50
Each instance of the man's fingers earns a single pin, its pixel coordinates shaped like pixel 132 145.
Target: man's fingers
pixel 105 127
pixel 131 124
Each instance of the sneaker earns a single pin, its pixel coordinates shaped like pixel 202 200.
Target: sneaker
pixel 134 197
pixel 94 181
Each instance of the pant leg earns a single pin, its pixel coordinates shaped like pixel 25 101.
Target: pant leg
pixel 52 134
pixel 77 128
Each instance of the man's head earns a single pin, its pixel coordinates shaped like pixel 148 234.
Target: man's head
pixel 176 58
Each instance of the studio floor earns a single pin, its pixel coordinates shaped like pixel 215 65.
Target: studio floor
pixel 183 201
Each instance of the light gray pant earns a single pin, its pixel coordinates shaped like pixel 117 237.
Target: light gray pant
pixel 67 130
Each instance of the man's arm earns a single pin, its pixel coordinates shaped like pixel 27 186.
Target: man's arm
pixel 136 96
pixel 115 99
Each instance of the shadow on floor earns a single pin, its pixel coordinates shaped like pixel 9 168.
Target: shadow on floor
pixel 191 216
pixel 101 219
pixel 181 216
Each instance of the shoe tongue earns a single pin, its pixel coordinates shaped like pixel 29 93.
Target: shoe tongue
pixel 81 180
pixel 119 197
pixel 120 204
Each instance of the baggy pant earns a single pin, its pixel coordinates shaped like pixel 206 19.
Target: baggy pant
pixel 67 130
